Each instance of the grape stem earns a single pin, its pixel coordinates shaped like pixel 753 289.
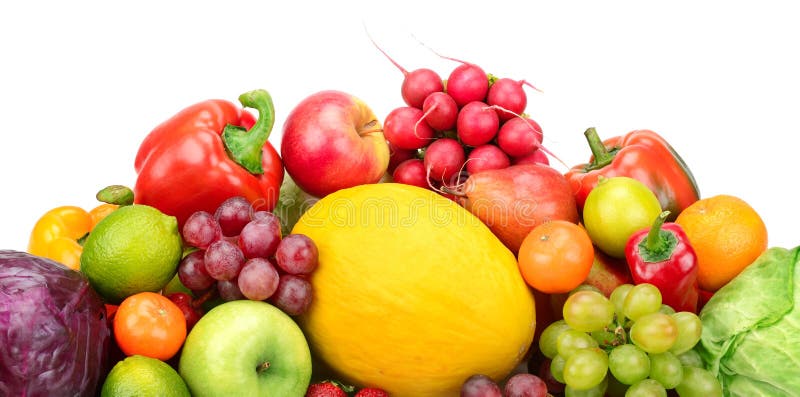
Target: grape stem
pixel 208 295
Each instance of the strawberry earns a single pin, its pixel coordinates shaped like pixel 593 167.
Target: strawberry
pixel 326 388
pixel 371 392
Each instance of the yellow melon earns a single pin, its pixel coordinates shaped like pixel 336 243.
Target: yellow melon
pixel 413 293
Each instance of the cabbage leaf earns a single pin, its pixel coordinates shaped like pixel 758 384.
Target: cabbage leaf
pixel 751 330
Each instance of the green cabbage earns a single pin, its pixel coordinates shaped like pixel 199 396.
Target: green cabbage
pixel 751 330
pixel 293 202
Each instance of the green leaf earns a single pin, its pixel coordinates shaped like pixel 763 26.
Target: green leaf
pixel 751 328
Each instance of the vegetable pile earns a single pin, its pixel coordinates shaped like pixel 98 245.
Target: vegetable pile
pixel 436 253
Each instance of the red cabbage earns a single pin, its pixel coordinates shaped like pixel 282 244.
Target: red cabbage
pixel 54 335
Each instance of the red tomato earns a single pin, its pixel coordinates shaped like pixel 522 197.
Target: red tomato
pixel 556 256
pixel 149 324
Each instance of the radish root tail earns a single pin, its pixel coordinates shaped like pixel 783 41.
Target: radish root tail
pixel 531 85
pixel 538 145
pixel 437 53
pixel 369 36
pixel 455 190
pixel 423 118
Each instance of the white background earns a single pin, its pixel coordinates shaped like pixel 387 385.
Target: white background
pixel 82 83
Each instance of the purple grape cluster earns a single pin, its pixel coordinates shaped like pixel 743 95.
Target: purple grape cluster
pixel 242 253
pixel 519 385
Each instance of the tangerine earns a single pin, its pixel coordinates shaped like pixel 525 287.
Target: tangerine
pixel 727 234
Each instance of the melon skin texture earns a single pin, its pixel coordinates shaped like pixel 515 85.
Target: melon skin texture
pixel 412 293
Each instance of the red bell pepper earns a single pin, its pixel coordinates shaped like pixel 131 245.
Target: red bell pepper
pixel 663 256
pixel 207 153
pixel 642 155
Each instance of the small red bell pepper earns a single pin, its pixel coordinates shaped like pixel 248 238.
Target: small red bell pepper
pixel 642 155
pixel 663 256
pixel 207 153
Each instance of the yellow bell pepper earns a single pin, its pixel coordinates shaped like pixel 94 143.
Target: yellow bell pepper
pixel 57 234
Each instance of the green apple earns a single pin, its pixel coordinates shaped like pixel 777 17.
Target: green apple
pixel 248 348
pixel 615 209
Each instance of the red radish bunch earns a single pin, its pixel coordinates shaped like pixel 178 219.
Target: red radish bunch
pixel 449 129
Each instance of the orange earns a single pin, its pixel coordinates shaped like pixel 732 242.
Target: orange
pixel 727 234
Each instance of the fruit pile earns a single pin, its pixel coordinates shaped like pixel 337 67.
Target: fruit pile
pixel 205 279
pixel 476 123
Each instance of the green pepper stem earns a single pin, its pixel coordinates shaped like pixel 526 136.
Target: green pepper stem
pixel 602 157
pixel 656 243
pixel 243 146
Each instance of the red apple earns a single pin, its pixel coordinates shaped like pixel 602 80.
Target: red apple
pixel 332 140
pixel 544 313
pixel 608 273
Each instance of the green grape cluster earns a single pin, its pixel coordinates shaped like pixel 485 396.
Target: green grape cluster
pixel 629 344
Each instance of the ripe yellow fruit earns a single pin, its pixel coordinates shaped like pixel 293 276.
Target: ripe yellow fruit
pixel 413 293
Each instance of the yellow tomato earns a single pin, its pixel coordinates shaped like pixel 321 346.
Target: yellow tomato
pixel 57 233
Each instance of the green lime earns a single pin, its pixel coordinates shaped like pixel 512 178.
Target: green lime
pixel 143 376
pixel 134 249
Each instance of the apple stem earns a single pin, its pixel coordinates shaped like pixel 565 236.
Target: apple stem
pixel 243 146
pixel 370 128
pixel 262 367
